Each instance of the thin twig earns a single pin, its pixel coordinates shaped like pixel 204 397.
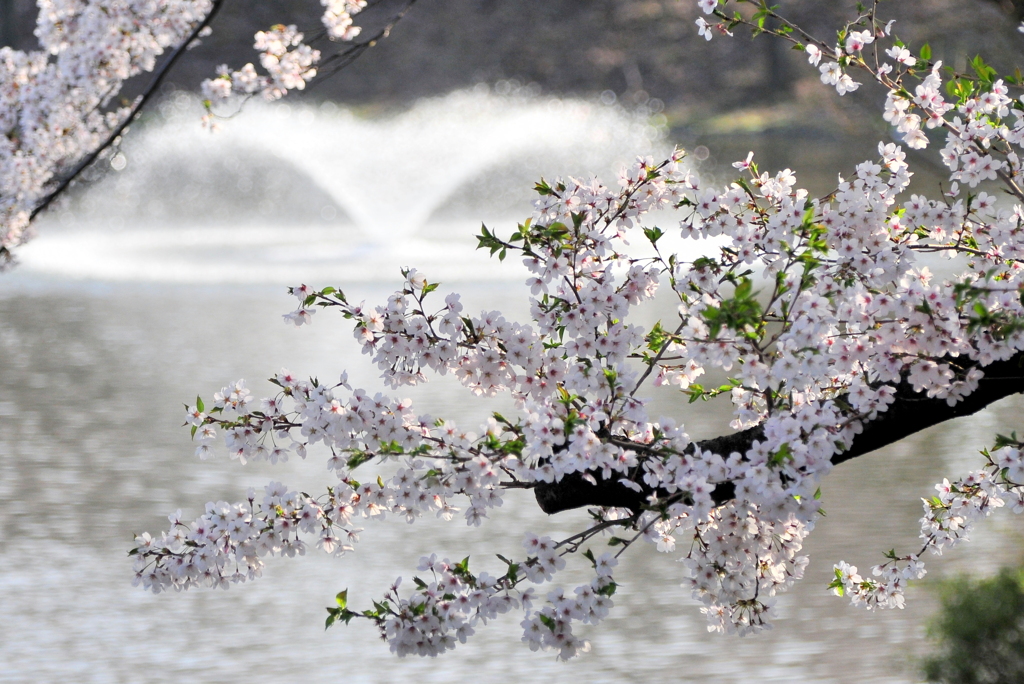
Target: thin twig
pixel 346 57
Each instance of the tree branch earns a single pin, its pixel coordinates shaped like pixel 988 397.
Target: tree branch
pixel 910 412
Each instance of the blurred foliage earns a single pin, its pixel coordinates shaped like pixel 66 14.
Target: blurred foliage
pixel 980 631
pixel 1015 8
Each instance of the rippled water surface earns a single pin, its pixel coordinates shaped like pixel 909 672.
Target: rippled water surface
pixel 102 343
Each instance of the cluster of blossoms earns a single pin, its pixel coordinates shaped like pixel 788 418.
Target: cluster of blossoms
pixel 338 18
pixel 443 612
pixel 288 61
pixel 740 561
pixel 550 628
pixel 844 320
pixel 948 520
pixel 949 516
pixel 886 590
pixel 225 545
pixel 56 102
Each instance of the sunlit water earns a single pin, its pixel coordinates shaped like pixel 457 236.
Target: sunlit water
pixel 132 302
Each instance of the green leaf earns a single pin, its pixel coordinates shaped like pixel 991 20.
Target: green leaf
pixel 357 459
pixel 547 621
pixel 837 583
pixel 342 599
pixel 656 338
pixel 926 52
pixel 199 403
pixel 782 455
pixel 1003 440
pixel 984 71
pixel 654 234
pixel 557 229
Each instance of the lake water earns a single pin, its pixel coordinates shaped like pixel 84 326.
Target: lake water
pixel 130 303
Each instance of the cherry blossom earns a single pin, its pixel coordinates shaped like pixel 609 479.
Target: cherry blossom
pixel 821 312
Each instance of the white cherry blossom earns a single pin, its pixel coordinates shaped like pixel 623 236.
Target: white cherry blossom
pixel 821 314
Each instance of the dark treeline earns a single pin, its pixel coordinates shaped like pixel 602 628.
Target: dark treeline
pixel 581 46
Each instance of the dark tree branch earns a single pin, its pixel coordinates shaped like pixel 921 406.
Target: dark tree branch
pixel 910 412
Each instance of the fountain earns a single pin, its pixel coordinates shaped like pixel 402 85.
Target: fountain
pixel 285 193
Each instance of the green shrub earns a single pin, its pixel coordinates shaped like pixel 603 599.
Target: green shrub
pixel 980 631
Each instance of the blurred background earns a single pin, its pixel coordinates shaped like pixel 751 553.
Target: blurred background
pixel 162 276
pixel 637 49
